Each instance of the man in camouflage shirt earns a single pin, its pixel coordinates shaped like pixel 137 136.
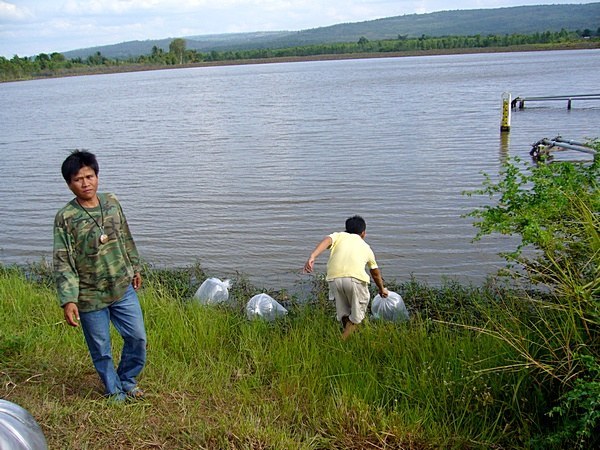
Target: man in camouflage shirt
pixel 97 272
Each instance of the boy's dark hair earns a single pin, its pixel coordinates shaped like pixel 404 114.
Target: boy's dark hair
pixel 355 225
pixel 75 161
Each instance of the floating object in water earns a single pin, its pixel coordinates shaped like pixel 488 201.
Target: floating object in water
pixel 544 147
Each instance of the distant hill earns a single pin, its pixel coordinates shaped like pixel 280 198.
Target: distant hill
pixel 518 19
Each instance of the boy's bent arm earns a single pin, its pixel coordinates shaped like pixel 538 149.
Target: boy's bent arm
pixel 376 274
pixel 320 248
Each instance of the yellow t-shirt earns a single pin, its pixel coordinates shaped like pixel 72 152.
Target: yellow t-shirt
pixel 349 256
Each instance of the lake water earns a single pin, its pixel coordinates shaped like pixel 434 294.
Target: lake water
pixel 244 169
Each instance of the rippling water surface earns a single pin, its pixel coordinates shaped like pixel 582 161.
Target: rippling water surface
pixel 245 168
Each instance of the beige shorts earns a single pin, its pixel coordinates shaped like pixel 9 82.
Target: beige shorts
pixel 351 298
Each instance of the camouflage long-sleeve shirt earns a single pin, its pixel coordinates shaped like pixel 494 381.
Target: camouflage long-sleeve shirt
pixel 88 272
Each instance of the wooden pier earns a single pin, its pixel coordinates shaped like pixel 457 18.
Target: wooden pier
pixel 553 98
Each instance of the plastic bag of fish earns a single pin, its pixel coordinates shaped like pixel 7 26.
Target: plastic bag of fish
pixel 263 306
pixel 213 291
pixel 390 308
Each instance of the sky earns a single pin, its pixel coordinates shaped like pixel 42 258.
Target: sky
pixel 31 27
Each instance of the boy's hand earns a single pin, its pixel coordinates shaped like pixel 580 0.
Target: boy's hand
pixel 320 248
pixel 308 266
pixel 384 292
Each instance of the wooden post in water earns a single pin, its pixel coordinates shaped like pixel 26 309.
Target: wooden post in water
pixel 505 124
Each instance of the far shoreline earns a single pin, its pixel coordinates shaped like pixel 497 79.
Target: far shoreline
pixel 126 68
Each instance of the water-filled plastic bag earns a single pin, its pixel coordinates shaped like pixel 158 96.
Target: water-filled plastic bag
pixel 263 306
pixel 213 291
pixel 391 308
pixel 18 429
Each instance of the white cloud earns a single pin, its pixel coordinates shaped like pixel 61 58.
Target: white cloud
pixel 11 12
pixel 30 27
pixel 106 7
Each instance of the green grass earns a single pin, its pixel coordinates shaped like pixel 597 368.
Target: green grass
pixel 217 380
pixel 490 367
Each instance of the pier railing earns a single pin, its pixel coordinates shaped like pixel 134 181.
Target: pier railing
pixel 520 101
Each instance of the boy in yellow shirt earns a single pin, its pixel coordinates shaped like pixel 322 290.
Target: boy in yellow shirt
pixel 346 275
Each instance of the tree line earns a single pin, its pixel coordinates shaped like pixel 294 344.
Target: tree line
pixel 55 64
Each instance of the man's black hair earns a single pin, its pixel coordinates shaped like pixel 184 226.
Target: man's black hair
pixel 355 225
pixel 75 161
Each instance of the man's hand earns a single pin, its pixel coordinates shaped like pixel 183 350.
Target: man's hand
pixel 137 280
pixel 71 314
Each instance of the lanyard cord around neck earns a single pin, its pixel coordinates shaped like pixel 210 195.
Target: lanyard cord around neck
pixel 91 217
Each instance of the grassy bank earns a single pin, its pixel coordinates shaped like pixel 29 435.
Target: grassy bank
pixel 217 380
pixel 513 365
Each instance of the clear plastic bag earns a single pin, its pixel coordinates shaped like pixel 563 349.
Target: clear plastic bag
pixel 18 429
pixel 263 306
pixel 213 291
pixel 391 308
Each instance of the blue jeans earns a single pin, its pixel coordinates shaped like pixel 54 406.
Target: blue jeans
pixel 126 316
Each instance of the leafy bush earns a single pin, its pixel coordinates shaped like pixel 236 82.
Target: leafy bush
pixel 555 210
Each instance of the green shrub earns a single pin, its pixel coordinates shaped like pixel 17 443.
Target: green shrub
pixel 555 210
